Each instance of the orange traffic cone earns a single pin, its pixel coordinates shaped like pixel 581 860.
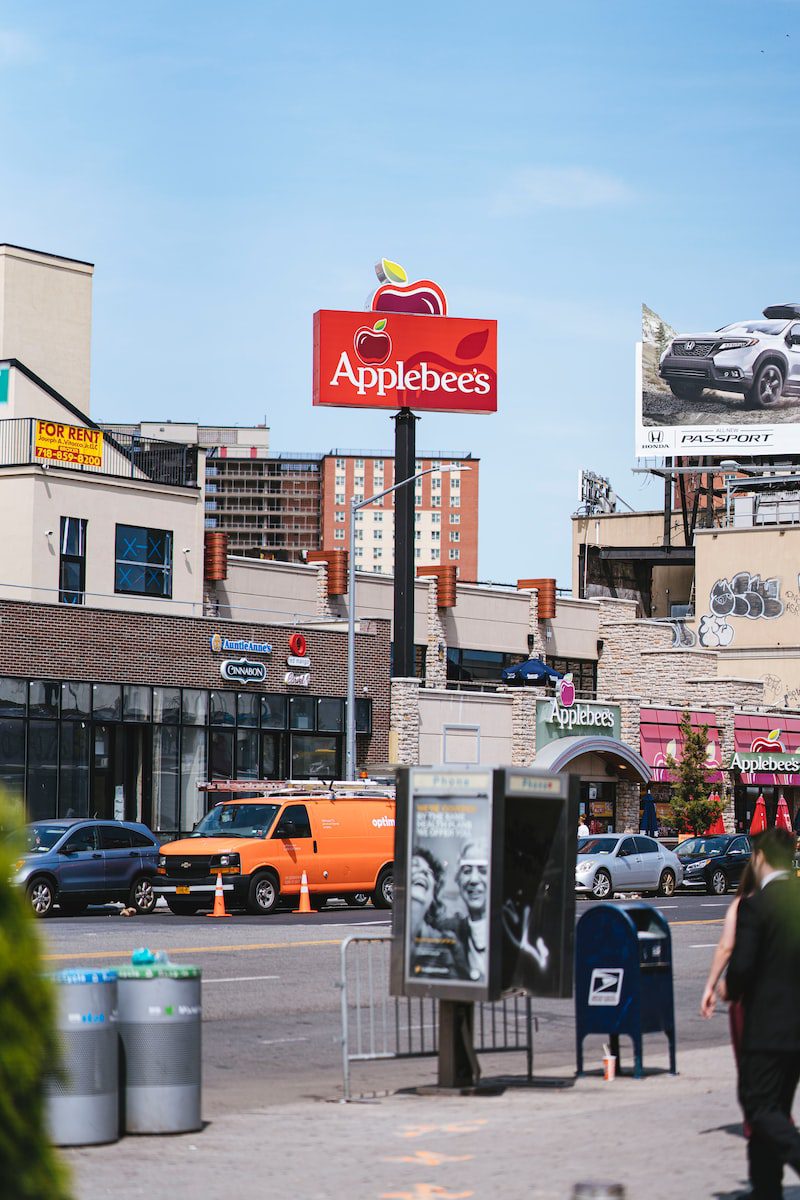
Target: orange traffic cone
pixel 305 899
pixel 219 900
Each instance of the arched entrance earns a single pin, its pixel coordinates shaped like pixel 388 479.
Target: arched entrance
pixel 610 772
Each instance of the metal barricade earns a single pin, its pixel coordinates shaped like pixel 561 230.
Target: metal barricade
pixel 376 1025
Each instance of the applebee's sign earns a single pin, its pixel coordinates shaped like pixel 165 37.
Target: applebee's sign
pixel 563 716
pixel 406 352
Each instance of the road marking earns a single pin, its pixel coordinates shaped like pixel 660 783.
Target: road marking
pixel 660 906
pixel 705 921
pixel 718 904
pixel 703 946
pixel 280 1041
pixel 241 979
pixel 235 949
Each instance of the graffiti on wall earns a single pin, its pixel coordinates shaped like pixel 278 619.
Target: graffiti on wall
pixel 744 595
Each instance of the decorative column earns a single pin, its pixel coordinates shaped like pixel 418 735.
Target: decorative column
pixel 436 654
pixel 523 727
pixel 404 723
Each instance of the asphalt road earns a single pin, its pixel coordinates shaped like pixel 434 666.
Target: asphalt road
pixel 271 1005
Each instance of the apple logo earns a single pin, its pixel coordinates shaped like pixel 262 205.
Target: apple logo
pixel 397 294
pixel 566 691
pixel 373 346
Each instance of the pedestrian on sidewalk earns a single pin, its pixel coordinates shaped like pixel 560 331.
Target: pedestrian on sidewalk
pixel 583 828
pixel 764 973
pixel 722 954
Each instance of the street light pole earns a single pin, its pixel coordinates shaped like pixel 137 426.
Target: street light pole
pixel 355 505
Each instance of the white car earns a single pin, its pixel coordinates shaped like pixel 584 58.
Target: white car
pixel 759 359
pixel 625 862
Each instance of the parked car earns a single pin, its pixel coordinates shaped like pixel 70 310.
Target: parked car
pixel 758 358
pixel 614 862
pixel 73 863
pixel 714 863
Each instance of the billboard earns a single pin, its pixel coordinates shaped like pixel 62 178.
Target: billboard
pixel 720 392
pixel 405 352
pixel 56 442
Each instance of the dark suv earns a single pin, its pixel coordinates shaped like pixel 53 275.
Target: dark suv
pixel 74 863
pixel 715 862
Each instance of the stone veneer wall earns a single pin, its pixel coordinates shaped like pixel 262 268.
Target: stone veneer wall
pixel 435 659
pixel 404 729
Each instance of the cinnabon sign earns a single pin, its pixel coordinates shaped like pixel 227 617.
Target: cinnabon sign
pixel 440 364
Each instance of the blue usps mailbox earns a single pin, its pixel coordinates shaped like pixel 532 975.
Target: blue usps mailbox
pixel 623 977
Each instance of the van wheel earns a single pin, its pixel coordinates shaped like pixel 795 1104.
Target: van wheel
pixel 357 899
pixel 264 893
pixel 384 889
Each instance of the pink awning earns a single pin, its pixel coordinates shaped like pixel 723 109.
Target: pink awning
pixel 660 736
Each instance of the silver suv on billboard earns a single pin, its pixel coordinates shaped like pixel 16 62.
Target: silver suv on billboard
pixel 759 359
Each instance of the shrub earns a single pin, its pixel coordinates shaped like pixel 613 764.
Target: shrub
pixel 692 810
pixel 29 1166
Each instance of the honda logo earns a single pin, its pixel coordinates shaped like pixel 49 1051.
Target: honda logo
pixel 691 345
pixel 655 437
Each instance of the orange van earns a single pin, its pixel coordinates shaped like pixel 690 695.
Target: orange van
pixel 342 836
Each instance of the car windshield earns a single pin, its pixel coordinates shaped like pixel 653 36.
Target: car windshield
pixel 597 845
pixel 707 846
pixel 40 838
pixel 237 820
pixel 772 328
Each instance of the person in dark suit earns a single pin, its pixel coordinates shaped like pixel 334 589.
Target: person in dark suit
pixel 764 973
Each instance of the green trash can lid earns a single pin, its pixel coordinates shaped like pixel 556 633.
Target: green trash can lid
pixel 82 975
pixel 158 970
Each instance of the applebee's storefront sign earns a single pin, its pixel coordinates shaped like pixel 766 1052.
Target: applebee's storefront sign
pixel 564 716
pixel 406 352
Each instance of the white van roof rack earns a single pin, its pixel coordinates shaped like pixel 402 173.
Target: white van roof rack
pixel 307 787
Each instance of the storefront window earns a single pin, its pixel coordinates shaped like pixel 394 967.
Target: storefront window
pixel 107 701
pixel 135 703
pixel 363 716
pixel 166 762
pixel 583 671
pixel 223 708
pixel 247 708
pixel 12 755
pixel 167 705
pixel 273 712
pixel 42 769
pixel 43 697
pixel 76 701
pixel 73 786
pixel 13 697
pixel 315 757
pixel 301 712
pixel 330 716
pixel 195 706
pixel 270 757
pixel 246 754
pixel 193 771
pixel 220 749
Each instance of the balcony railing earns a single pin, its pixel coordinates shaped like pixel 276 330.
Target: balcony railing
pixel 125 455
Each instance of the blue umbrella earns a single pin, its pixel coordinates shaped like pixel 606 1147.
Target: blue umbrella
pixel 533 671
pixel 649 819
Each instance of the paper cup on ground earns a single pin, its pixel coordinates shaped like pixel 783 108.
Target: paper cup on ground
pixel 609 1067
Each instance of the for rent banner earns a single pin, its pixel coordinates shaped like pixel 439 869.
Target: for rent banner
pixel 68 444
pixel 717 389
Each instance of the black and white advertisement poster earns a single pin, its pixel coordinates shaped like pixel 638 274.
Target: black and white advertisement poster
pixel 449 885
pixel 725 385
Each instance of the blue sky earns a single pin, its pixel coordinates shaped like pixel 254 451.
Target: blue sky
pixel 231 168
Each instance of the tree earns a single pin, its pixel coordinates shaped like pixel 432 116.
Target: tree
pixel 29 1167
pixel 692 810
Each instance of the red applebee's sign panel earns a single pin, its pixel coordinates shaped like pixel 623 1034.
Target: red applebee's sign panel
pixel 406 352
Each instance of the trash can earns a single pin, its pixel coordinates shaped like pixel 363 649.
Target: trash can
pixel 83 1102
pixel 623 977
pixel 159 1031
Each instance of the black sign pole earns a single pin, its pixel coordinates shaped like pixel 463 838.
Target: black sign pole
pixel 458 1062
pixel 404 467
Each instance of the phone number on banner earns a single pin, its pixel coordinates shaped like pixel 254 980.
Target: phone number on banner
pixel 71 456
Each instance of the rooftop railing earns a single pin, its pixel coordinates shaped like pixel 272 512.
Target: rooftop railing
pixel 125 455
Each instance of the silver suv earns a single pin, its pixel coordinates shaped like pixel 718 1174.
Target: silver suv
pixel 759 358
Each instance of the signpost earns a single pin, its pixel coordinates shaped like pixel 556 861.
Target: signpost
pixel 405 354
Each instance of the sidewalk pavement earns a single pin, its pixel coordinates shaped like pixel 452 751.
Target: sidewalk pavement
pixel 662 1137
